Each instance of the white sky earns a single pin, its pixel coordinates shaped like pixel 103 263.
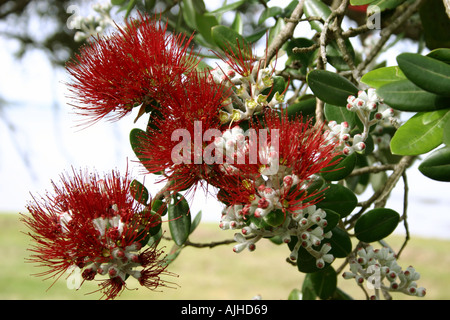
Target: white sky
pixel 53 145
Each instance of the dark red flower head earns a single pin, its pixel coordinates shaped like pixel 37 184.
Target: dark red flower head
pixel 289 153
pixel 94 224
pixel 114 74
pixel 187 122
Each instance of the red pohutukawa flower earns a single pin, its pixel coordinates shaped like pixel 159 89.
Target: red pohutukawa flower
pixel 113 74
pixel 290 152
pixel 94 224
pixel 187 122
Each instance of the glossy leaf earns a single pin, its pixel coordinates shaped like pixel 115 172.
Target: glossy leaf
pixel 376 224
pixel 404 95
pixel 196 221
pixel 421 133
pixel 316 8
pixel 435 24
pixel 382 5
pixel 339 199
pixel 381 76
pixel 269 13
pixel 305 107
pixel 437 165
pixel 341 244
pixel 427 73
pixel 139 192
pixel 135 135
pixel 332 218
pixel 340 115
pixel 179 219
pixel 308 292
pixel 331 87
pixel 441 54
pixel 324 282
pixel 335 56
pixel 230 41
pixel 342 169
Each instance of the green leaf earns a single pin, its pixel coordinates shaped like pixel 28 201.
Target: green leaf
pixel 437 165
pixel 226 8
pixel 204 24
pixel 308 292
pixel 269 13
pixel 196 221
pixel 340 115
pixel 275 30
pixel 341 244
pixel 135 141
pixel 230 41
pixel 335 57
pixel 341 170
pixel 305 107
pixel 435 24
pixel 295 294
pixel 360 2
pixel 381 5
pixel 376 224
pixel 331 87
pixel 179 219
pixel 139 192
pixel 441 54
pixel 427 73
pixel 339 199
pixel 316 8
pixel 381 76
pixel 324 282
pixel 238 24
pixel 421 133
pixel 404 95
pixel 332 220
pixel 446 133
pixel 118 2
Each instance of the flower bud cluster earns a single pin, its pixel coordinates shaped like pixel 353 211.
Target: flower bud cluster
pixel 248 91
pixel 380 269
pixel 265 217
pixel 92 25
pixel 364 105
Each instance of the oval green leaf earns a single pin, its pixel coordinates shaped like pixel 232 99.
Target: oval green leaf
pixel 339 199
pixel 342 169
pixel 230 41
pixel 316 8
pixel 331 87
pixel 376 224
pixel 179 219
pixel 139 192
pixel 427 73
pixel 404 95
pixel 381 76
pixel 437 165
pixel 441 54
pixel 324 282
pixel 341 244
pixel 421 133
pixel 332 218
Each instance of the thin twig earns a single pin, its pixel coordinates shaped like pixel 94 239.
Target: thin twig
pixel 404 215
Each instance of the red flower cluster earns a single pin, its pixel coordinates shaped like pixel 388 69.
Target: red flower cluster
pixel 130 68
pixel 94 224
pixel 293 152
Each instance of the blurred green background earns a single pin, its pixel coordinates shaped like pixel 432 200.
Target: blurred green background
pixel 216 273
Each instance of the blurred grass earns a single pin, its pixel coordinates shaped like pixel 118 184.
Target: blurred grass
pixel 216 273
